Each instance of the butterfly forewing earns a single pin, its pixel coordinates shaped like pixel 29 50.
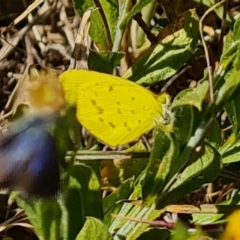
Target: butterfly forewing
pixel 114 110
pixel 117 113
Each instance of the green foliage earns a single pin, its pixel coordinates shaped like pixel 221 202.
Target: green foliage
pixel 165 58
pixel 191 154
pixel 93 229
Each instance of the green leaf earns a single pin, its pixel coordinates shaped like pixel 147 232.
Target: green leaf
pixel 87 175
pixel 183 129
pixel 229 65
pixel 45 216
pixel 147 13
pixel 132 167
pixel 165 58
pixel 151 183
pixel 99 27
pixel 56 219
pixel 225 207
pixel 130 229
pixel 236 30
pixel 93 229
pixel 63 217
pixel 180 232
pixel 226 60
pixel 233 111
pixel 124 7
pixel 156 182
pixel 112 203
pixel 230 150
pixel 205 168
pixel 193 96
pixel 214 136
pixel 230 88
pixel 74 204
pixel 140 4
pixel 126 13
pixel 104 62
pixel 229 52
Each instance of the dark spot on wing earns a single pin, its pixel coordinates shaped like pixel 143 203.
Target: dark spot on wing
pixel 94 103
pixel 111 124
pixel 100 110
pixel 126 125
pixel 110 88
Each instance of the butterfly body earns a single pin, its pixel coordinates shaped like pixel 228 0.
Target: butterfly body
pixel 115 110
pixel 28 158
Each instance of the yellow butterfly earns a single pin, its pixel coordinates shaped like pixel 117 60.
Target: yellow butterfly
pixel 114 110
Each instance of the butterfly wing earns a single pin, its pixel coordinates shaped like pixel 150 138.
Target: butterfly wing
pixel 28 160
pixel 115 110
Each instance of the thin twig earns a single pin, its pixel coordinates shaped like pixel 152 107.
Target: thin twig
pixel 151 37
pixel 210 76
pixel 223 27
pixel 138 18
